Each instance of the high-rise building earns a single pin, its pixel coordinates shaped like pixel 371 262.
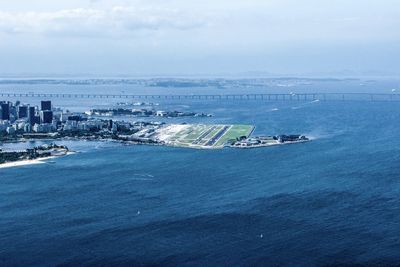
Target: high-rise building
pixel 46 116
pixel 45 105
pixel 22 112
pixel 5 111
pixel 36 120
pixel 32 116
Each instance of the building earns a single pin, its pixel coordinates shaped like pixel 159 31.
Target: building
pixel 10 130
pixel 20 124
pixel 4 125
pixel 22 112
pixel 27 128
pixel 161 113
pixel 43 128
pixel 74 118
pixel 45 105
pixel 70 125
pixel 33 119
pixel 5 111
pixel 46 116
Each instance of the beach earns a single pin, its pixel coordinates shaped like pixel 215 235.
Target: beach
pixel 24 162
pixel 31 161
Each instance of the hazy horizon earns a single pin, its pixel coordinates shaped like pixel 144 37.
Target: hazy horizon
pixel 176 37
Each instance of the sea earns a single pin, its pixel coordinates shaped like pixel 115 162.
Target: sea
pixel 334 201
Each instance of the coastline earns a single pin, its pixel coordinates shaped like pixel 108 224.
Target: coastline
pixel 270 144
pixel 31 161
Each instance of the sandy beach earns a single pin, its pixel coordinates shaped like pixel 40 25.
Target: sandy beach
pixel 31 161
pixel 24 162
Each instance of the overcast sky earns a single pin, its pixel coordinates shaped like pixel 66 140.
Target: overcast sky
pixel 199 37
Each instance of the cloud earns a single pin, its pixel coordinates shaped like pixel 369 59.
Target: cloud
pixel 118 20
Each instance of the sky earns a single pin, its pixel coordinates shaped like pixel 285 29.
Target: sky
pixel 188 37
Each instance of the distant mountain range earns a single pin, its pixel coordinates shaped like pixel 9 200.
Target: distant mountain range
pixel 181 82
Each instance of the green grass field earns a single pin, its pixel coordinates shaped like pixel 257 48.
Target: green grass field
pixel 234 132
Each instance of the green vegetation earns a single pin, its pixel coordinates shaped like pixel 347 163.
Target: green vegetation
pixel 235 132
pixel 32 153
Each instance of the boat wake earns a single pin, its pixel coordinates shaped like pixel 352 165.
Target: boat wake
pixel 142 177
pixel 320 134
pixel 306 104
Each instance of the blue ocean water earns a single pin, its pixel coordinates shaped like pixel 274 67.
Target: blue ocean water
pixel 332 201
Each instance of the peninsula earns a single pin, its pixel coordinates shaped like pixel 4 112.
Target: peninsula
pixel 11 158
pixel 19 122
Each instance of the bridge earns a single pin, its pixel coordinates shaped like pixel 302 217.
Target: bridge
pixel 266 97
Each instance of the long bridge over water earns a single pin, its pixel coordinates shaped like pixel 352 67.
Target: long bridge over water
pixel 266 97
